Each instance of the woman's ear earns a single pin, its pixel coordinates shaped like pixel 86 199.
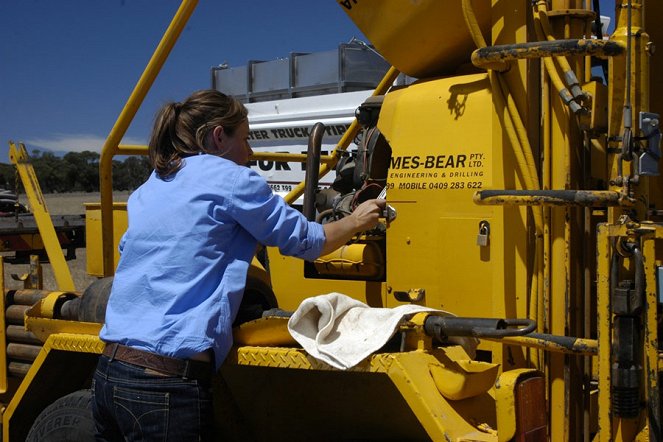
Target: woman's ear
pixel 219 133
pixel 218 136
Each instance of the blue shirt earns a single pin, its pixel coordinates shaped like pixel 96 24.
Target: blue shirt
pixel 186 252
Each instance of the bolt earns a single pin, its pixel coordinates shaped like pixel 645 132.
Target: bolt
pixel 650 48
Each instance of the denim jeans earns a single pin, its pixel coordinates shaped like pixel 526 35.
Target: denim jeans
pixel 131 403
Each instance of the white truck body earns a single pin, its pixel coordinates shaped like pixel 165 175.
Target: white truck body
pixel 284 126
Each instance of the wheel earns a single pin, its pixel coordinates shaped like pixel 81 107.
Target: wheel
pixel 67 419
pixel 92 307
pixel 258 297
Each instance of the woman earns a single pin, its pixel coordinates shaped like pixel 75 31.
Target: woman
pixel 193 229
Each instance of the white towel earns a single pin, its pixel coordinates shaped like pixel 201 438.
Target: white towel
pixel 342 331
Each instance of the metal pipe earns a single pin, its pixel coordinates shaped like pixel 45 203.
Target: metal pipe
pixel 553 343
pixel 23 352
pixel 119 129
pixel 312 170
pixel 289 157
pixel 18 333
pixel 26 296
pixel 15 314
pixel 487 56
pixel 137 149
pixel 132 149
pixel 587 198
pixel 18 369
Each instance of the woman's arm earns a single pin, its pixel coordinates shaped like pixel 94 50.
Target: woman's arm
pixel 364 217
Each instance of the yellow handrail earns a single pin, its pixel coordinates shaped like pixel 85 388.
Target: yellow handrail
pixel 136 98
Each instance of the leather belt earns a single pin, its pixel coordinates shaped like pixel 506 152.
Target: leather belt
pixel 185 368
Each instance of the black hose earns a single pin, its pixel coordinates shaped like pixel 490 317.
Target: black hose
pixel 442 327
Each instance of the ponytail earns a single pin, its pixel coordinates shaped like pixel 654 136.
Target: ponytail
pixel 181 129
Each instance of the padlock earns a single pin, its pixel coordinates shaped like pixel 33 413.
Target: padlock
pixel 484 231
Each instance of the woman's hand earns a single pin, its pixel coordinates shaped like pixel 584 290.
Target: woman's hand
pixel 364 217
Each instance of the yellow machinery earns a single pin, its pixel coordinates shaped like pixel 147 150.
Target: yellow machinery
pixel 523 168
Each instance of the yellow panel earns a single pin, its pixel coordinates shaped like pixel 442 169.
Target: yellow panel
pixel 436 167
pixel 291 288
pixel 93 234
pixel 420 38
pixel 445 147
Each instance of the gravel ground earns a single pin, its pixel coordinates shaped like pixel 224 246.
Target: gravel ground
pixel 60 204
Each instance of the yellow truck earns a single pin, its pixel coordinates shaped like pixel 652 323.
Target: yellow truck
pixel 522 171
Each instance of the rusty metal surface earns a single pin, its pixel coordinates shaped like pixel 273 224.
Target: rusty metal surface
pixel 540 49
pixel 585 198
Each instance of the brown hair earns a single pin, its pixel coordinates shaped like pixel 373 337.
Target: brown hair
pixel 181 129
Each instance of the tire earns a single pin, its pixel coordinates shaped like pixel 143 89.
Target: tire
pixel 67 419
pixel 258 297
pixel 92 307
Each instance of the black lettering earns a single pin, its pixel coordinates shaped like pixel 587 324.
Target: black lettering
pixel 281 165
pixel 395 163
pixel 406 162
pixel 265 165
pixel 460 160
pixel 415 162
pixel 440 161
pixel 450 161
pixel 347 4
pixel 430 161
pixel 258 135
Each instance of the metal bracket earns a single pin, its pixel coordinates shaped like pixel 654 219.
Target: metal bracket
pixel 648 164
pixel 412 295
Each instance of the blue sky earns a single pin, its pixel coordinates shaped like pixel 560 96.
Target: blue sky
pixel 68 66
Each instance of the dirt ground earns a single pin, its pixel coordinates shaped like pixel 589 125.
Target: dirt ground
pixel 60 204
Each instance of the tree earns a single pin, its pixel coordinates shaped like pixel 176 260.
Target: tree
pixel 79 171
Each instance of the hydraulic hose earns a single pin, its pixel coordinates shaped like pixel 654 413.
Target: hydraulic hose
pixel 477 36
pixel 517 135
pixel 571 79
